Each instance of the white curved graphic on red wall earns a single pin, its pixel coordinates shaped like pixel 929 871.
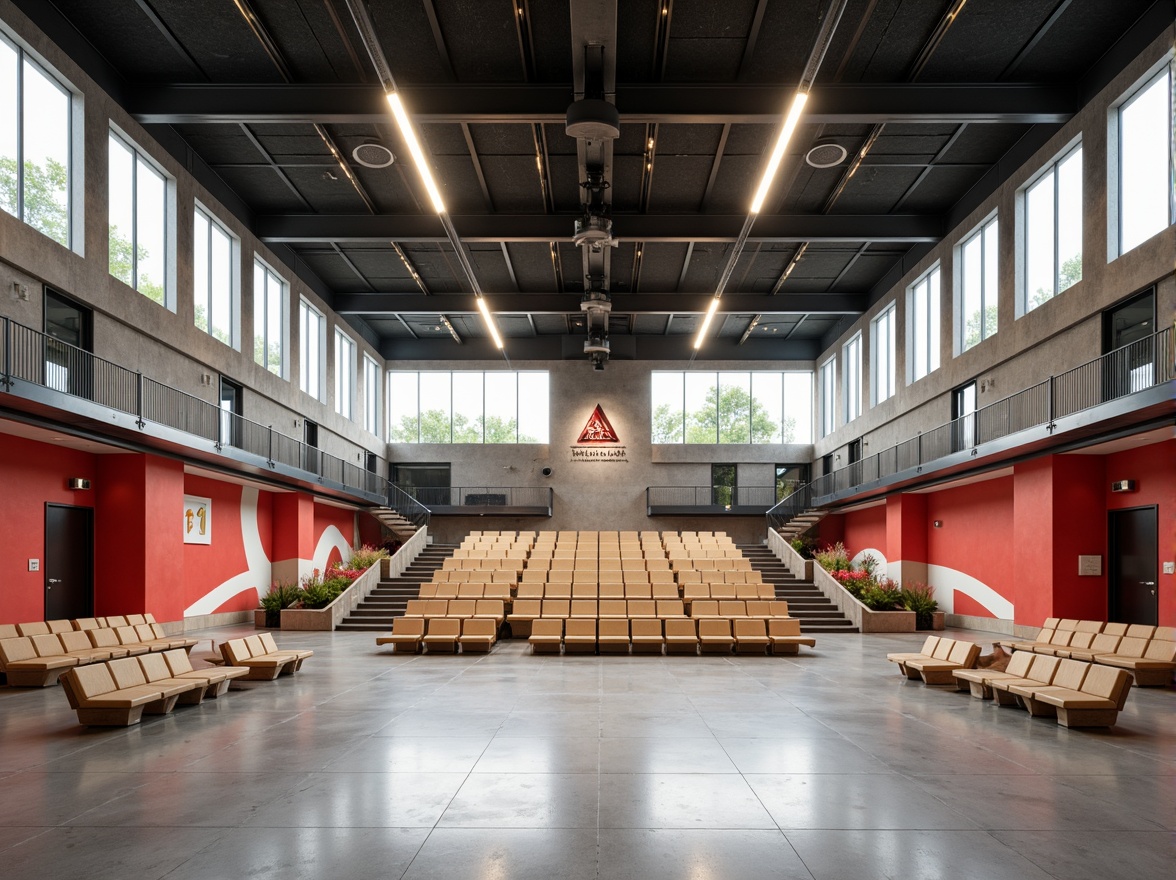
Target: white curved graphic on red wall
pixel 949 581
pixel 255 577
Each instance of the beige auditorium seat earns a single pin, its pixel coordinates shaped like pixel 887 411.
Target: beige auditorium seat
pixel 681 636
pixel 406 634
pixel 612 636
pixel 646 636
pixel 478 635
pixel 546 635
pixel 785 636
pixel 751 636
pixel 714 636
pixel 442 635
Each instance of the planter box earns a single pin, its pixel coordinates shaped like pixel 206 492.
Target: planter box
pixel 326 619
pixel 259 618
pixel 938 620
pixel 887 621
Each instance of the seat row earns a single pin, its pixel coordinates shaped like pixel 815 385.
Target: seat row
pixel 1147 652
pixel 465 590
pixel 441 635
pixel 118 692
pixel 526 611
pixel 42 627
pixel 675 635
pixel 607 576
pixel 262 658
pixel 1076 693
pixel 494 609
pixel 634 590
pixel 937 660
pixel 40 660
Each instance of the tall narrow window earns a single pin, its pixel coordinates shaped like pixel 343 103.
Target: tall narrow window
pixel 215 281
pixel 371 396
pixel 312 336
pixel 827 382
pixel 1147 185
pixel 1053 231
pixel 851 361
pixel 269 319
pixel 882 351
pixel 977 274
pixel 35 132
pixel 344 373
pixel 923 339
pixel 138 221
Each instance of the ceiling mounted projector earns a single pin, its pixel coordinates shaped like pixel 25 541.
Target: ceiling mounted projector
pixel 592 229
pixel 593 119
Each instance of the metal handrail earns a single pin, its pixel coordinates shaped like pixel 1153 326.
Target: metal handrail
pixel 792 506
pixel 408 507
pixel 1137 366
pixel 31 356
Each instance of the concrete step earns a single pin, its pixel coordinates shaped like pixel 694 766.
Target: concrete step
pixel 389 598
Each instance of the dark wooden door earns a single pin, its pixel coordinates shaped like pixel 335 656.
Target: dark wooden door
pixel 1134 553
pixel 69 562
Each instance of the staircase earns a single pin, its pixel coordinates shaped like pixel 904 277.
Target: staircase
pixel 398 525
pixel 802 523
pixel 389 599
pixel 808 604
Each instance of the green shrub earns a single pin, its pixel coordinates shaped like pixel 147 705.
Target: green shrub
pixel 804 546
pixel 282 594
pixel 920 598
pixel 881 596
pixel 835 558
pixel 366 556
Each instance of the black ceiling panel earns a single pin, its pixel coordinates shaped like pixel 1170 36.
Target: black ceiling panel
pixel 714 77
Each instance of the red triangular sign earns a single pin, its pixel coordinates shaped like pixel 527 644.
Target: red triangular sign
pixel 598 430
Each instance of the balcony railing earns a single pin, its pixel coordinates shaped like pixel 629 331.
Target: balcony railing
pixel 1138 366
pixel 486 500
pixel 707 500
pixel 27 355
pixel 792 506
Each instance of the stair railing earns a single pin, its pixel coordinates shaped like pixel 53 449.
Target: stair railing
pixel 791 507
pixel 408 507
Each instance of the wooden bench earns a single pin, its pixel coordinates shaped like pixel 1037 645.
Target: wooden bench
pixel 407 632
pixel 1152 663
pixel 442 635
pixel 929 645
pixel 1041 673
pixel 263 664
pixel 580 636
pixel 217 678
pixel 1095 701
pixel 25 668
pixel 546 635
pixel 714 635
pixel 613 635
pixel 646 635
pixel 478 635
pixel 751 636
pixel 785 636
pixel 979 681
pixel 100 702
pixel 938 670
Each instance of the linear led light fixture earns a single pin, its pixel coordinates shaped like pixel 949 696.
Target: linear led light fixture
pixel 706 322
pixel 414 147
pixel 790 122
pixel 489 319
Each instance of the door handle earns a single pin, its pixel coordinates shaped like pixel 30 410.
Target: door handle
pixel 1148 583
pixel 55 580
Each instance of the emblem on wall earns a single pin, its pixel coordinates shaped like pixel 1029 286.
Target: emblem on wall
pixel 598 430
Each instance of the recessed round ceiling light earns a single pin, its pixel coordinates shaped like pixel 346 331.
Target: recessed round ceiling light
pixel 826 154
pixel 373 156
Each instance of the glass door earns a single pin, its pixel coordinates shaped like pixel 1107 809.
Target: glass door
pixel 68 342
pixel 963 411
pixel 1128 339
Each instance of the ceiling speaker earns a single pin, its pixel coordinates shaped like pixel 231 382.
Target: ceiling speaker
pixel 825 154
pixel 373 156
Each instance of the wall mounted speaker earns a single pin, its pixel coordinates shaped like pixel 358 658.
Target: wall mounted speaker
pixel 78 483
pixel 1123 486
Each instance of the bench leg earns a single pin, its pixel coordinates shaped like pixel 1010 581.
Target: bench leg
pixel 1003 698
pixel 110 717
pixel 979 690
pixel 1039 709
pixel 938 677
pixel 1152 677
pixel 1087 717
pixel 161 707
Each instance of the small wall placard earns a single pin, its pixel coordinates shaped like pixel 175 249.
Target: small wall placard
pixel 1089 566
pixel 197 520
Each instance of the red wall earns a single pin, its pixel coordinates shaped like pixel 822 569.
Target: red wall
pixel 976 537
pixel 32 474
pixel 326 515
pixel 865 528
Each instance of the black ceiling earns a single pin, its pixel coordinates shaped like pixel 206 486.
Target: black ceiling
pixel 926 96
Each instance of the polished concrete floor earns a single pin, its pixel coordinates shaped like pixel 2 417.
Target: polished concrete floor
pixel 827 765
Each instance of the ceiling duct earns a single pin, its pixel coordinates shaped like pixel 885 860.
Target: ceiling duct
pixel 373 155
pixel 593 120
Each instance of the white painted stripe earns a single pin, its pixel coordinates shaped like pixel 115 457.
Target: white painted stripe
pixel 948 580
pixel 255 577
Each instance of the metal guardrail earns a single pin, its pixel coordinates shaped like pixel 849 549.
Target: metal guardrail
pixel 31 356
pixel 710 496
pixel 792 506
pixel 485 496
pixel 1137 366
pixel 408 507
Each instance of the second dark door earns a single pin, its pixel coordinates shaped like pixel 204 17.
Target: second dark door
pixel 69 562
pixel 1133 558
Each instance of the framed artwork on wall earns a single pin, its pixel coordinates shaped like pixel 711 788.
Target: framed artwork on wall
pixel 197 520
